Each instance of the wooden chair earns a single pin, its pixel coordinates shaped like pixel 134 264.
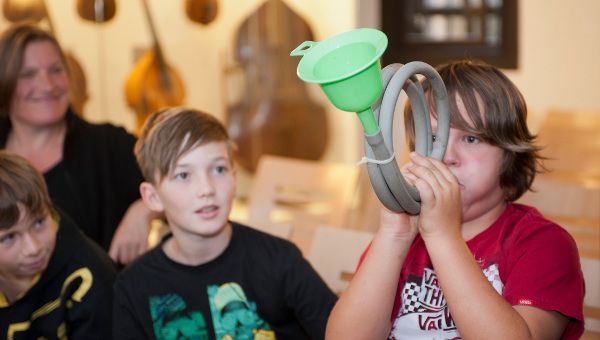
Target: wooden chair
pixel 591 302
pixel 569 194
pixel 335 253
pixel 572 143
pixel 302 192
pixel 279 229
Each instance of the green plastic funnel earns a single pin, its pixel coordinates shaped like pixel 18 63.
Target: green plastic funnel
pixel 347 68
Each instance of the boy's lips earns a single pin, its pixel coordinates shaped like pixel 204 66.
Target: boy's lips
pixel 36 264
pixel 207 209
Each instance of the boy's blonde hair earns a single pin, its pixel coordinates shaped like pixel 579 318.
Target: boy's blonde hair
pixel 171 132
pixel 21 186
pixel 503 122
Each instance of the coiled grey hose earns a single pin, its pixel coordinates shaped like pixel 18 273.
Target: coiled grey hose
pixel 387 181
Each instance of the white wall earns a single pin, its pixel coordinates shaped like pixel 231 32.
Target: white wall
pixel 559 54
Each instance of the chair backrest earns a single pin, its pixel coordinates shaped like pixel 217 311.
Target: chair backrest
pixel 591 302
pixel 555 197
pixel 572 142
pixel 335 253
pixel 301 191
pixel 281 229
pixel 569 194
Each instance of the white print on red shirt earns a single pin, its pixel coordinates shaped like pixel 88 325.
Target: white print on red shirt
pixel 424 313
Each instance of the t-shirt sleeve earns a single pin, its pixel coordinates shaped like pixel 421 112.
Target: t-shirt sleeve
pixel 125 323
pixel 312 299
pixel 543 270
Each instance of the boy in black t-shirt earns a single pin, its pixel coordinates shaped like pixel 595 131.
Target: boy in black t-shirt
pixel 210 278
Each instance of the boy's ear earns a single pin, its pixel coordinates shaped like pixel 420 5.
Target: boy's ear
pixel 150 197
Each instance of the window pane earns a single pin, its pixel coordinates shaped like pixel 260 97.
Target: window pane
pixel 493 34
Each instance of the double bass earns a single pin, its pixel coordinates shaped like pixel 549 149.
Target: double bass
pixel 152 84
pixel 276 115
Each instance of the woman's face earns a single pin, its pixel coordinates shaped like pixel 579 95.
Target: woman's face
pixel 42 94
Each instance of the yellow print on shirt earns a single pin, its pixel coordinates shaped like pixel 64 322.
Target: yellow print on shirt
pixel 86 282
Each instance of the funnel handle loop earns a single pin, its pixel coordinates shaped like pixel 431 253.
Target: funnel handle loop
pixel 303 48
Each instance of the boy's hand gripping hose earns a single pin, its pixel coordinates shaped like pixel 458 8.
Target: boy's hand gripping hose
pixel 387 181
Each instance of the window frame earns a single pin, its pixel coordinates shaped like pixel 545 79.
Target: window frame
pixel 401 50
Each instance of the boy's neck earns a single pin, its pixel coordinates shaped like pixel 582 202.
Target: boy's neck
pixel 194 250
pixel 13 288
pixel 474 227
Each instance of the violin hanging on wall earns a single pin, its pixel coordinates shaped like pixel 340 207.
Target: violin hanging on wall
pixel 36 10
pixel 276 115
pixel 152 84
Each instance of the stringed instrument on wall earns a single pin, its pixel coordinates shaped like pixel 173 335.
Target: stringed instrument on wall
pixel 152 84
pixel 97 11
pixel 36 10
pixel 276 115
pixel 22 10
pixel 201 11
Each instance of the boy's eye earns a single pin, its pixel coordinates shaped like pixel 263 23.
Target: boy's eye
pixel 6 239
pixel 39 223
pixel 183 175
pixel 471 139
pixel 220 169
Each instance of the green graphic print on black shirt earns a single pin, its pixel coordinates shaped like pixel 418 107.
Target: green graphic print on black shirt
pixel 234 317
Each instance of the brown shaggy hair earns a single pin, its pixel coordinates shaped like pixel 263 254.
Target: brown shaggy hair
pixel 502 123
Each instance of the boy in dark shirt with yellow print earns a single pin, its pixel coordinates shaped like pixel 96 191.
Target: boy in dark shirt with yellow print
pixel 55 283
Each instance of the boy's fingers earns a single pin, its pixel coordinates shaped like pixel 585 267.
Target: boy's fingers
pixel 427 172
pixel 444 171
pixel 425 189
pixel 438 168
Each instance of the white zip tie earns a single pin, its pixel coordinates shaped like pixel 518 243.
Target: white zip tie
pixel 366 160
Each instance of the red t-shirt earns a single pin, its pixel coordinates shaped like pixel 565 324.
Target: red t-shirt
pixel 528 259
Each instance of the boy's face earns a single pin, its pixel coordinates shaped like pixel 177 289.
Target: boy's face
pixel 26 247
pixel 196 196
pixel 477 166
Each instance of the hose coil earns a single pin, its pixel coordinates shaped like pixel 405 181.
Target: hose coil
pixel 387 181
